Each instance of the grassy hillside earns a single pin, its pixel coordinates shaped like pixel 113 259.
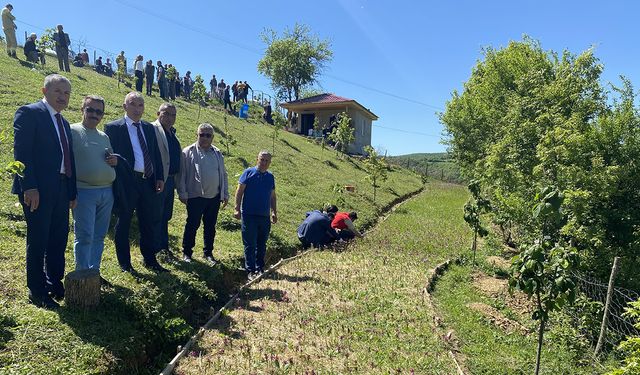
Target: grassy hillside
pixel 141 321
pixel 438 165
pixel 359 311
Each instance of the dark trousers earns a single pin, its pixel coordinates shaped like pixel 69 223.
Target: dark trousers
pixel 255 232
pixel 346 235
pixel 162 87
pixel 149 84
pixel 142 197
pixel 47 234
pixel 168 195
pixel 205 209
pixel 63 59
pixel 172 89
pixel 139 77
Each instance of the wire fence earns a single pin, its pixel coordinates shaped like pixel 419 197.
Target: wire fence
pixel 587 312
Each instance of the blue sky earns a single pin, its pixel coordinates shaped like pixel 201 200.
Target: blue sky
pixel 401 59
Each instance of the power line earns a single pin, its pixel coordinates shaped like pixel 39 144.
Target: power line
pixel 407 131
pixel 384 92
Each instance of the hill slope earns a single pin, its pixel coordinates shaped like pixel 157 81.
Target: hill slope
pixel 438 165
pixel 141 321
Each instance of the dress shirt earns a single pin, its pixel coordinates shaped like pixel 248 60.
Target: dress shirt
pixel 138 156
pixel 139 65
pixel 52 113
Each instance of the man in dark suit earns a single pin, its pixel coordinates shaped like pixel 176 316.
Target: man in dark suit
pixel 47 188
pixel 141 179
pixel 62 48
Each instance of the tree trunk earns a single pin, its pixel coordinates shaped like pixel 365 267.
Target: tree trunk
pixel 540 336
pixel 82 288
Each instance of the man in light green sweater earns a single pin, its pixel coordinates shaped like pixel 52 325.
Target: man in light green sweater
pixel 94 177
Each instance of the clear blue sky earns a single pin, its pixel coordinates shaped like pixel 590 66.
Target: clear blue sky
pixel 417 50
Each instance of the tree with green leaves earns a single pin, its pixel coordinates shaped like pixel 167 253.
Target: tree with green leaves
pixel 199 92
pixel 473 210
pixel 278 124
pixel 543 269
pixel 376 168
pixel 343 134
pixel 228 139
pixel 294 60
pixel 631 346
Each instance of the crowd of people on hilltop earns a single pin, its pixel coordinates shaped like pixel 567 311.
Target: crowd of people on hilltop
pixel 135 166
pixel 170 83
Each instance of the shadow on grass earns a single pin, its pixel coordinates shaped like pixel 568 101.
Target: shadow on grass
pixel 331 164
pixel 220 131
pixel 276 275
pixel 290 145
pixel 6 335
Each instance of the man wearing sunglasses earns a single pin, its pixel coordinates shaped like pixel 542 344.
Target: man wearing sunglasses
pixel 202 185
pixel 94 179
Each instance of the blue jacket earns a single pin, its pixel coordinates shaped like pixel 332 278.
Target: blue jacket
pixel 316 229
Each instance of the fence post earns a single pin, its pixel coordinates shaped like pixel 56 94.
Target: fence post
pixel 605 315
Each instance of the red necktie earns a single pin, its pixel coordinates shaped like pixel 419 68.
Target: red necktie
pixel 66 155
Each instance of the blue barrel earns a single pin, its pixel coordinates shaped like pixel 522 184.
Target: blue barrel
pixel 244 111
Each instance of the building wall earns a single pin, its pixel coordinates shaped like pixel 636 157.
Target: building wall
pixel 361 123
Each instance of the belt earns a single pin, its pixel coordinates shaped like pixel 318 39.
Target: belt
pixel 139 175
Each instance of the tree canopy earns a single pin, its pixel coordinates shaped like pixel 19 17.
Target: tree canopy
pixel 294 60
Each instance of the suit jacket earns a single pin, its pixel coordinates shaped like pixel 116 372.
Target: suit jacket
pixel 121 143
pixel 62 40
pixel 37 146
pixel 163 146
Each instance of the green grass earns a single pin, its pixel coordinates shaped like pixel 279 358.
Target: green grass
pixel 438 165
pixel 488 349
pixel 139 323
pixel 361 310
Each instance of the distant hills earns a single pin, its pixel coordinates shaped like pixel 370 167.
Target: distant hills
pixel 438 165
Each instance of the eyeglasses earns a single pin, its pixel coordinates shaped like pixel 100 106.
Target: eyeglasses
pixel 98 112
pixel 205 135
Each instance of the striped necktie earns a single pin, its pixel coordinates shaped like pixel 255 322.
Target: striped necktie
pixel 148 166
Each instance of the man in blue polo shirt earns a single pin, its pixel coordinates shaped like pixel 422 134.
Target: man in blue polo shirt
pixel 255 199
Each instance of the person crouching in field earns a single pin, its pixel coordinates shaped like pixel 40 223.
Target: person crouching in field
pixel 343 224
pixel 316 229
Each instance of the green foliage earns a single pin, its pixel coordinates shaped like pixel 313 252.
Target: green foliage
pixel 529 118
pixel 171 73
pixel 46 41
pixel 278 124
pixel 630 348
pixel 343 133
pixel 227 140
pixel 473 209
pixel 13 168
pixel 376 168
pixel 199 92
pixel 293 61
pixel 543 268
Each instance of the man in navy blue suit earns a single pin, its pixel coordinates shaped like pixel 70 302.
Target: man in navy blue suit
pixel 47 188
pixel 139 182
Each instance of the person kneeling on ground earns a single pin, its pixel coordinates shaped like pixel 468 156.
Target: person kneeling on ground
pixel 316 230
pixel 30 50
pixel 343 224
